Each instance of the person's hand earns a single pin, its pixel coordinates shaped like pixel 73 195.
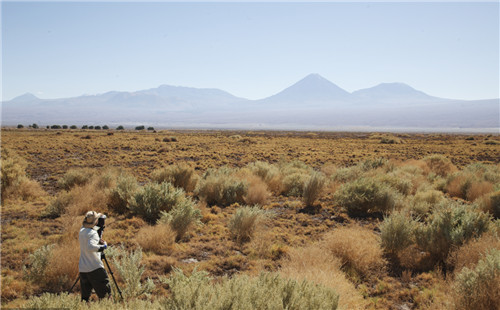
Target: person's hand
pixel 105 245
pixel 101 241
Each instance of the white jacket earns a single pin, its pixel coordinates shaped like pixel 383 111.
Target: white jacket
pixel 90 258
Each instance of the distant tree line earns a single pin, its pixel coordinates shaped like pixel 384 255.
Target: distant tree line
pixel 97 127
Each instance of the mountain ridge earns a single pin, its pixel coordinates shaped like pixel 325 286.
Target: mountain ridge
pixel 311 101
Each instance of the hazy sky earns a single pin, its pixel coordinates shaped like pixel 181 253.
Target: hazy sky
pixel 252 50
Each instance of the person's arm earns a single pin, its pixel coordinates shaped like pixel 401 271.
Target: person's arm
pixel 93 244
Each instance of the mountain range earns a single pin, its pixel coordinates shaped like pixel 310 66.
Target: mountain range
pixel 312 103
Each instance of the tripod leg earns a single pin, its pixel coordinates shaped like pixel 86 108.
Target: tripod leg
pixel 112 276
pixel 76 281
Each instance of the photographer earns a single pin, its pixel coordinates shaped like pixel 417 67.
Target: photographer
pixel 92 272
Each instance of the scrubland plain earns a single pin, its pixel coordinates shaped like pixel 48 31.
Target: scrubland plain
pixel 255 219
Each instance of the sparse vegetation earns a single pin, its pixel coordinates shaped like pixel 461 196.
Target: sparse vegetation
pixel 424 249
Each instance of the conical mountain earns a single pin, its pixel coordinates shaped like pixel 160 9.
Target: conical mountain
pixel 312 89
pixel 27 97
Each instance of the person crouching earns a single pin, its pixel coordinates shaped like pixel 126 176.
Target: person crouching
pixel 92 272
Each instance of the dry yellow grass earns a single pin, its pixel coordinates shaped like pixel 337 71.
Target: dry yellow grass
pixel 357 248
pixel 314 264
pixel 158 239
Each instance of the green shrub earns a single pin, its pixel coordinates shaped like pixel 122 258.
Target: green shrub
pixel 347 174
pixel 401 183
pixel 105 127
pixel 313 188
pixel 244 221
pixel 294 184
pixel 221 187
pixel 140 127
pixel 450 224
pixel 75 177
pixel 74 302
pixel 182 216
pixel 152 198
pixel 364 196
pixel 122 193
pixel 180 175
pixel 374 163
pixel 20 126
pixel 479 288
pixel 396 232
pixel 128 265
pixel 38 263
pixel 267 291
pixel 120 128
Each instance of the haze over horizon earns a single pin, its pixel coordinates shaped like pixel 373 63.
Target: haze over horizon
pixel 251 50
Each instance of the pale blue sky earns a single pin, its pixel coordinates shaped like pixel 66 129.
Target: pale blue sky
pixel 251 50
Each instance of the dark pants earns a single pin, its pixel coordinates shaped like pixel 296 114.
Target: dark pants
pixel 97 279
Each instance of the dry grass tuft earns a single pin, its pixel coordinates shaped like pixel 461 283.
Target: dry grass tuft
pixel 357 248
pixel 314 265
pixel 440 165
pixel 159 239
pixel 62 269
pixel 471 253
pixel 257 193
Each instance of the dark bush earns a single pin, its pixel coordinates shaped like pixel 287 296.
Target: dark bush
pixel 120 128
pixel 139 128
pixel 20 126
pixel 73 127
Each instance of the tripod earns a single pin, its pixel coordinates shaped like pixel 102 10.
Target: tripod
pixel 100 224
pixel 103 257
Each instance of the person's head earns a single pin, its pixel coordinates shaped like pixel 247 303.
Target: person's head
pixel 91 219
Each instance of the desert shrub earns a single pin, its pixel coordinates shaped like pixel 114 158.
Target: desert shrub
pixel 267 291
pixel 221 187
pixel 180 175
pixel 244 221
pixel 313 188
pixel 58 206
pixel 391 140
pixel 75 177
pixel 269 173
pixel 474 181
pixel 86 198
pixel 396 232
pixel 158 238
pixel 182 216
pixel 120 128
pixel 313 264
pixel 374 163
pixel 294 183
pixel 423 201
pixel 62 269
pixel 364 196
pixel 399 182
pixel 479 288
pixel 14 181
pixel 152 198
pixel 450 224
pixel 130 269
pixel 125 189
pixel 358 249
pixel 73 301
pixel 295 175
pixel 439 164
pixel 37 264
pixel 491 203
pixel 469 254
pixel 347 174
pixel 140 127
